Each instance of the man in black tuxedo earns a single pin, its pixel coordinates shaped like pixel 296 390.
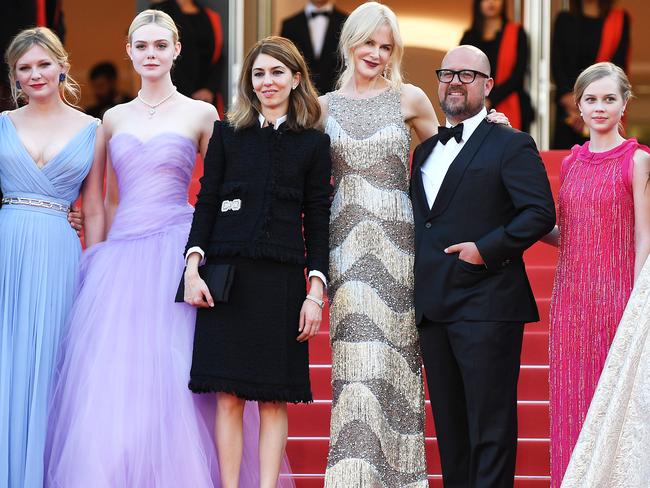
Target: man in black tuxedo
pixel 481 197
pixel 315 31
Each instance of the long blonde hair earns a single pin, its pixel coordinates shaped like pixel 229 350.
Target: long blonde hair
pixel 360 25
pixel 48 40
pixel 304 109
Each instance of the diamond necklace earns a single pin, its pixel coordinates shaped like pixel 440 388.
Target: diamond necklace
pixel 153 106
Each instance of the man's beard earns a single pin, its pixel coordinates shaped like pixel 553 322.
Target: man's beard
pixel 464 108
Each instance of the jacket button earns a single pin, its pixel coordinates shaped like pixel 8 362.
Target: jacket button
pixel 505 263
pixel 428 225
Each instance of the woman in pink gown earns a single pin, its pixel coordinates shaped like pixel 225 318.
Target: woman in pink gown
pixel 604 238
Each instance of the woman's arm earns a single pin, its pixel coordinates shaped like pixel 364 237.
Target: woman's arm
pixel 418 112
pixel 316 214
pixel 324 111
pixel 553 237
pixel 92 193
pixel 205 214
pixel 207 202
pixel 641 192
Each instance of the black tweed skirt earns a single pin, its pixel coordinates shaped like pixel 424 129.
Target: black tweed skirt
pixel 247 347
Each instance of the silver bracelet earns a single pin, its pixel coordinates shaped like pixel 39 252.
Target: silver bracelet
pixel 317 301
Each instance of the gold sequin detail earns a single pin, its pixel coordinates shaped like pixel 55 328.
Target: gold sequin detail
pixel 377 429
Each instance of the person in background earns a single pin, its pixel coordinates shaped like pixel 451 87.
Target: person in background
pixel 592 31
pixel 50 151
pixel 199 70
pixel 315 31
pixel 103 82
pixel 16 15
pixel 603 234
pixel 506 45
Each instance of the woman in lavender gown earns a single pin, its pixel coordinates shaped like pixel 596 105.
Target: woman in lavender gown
pixel 122 414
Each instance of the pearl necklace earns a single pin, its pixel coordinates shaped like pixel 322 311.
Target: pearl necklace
pixel 153 106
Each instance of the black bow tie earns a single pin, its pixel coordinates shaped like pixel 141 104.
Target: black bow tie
pixel 316 13
pixel 446 133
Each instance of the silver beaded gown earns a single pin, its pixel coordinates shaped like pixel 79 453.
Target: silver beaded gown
pixel 377 426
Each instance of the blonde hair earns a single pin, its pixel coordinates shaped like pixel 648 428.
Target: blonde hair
pixel 304 109
pixel 596 72
pixel 157 17
pixel 48 40
pixel 358 28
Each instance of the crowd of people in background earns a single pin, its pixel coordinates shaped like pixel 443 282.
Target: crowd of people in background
pixel 310 190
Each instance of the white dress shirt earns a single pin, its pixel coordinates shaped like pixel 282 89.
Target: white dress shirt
pixel 196 249
pixel 435 167
pixel 318 26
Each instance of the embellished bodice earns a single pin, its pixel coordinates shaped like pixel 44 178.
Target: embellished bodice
pixel 370 163
pixel 369 139
pixel 153 177
pixel 596 209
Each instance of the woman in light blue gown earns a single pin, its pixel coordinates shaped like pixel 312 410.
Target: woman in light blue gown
pixel 49 151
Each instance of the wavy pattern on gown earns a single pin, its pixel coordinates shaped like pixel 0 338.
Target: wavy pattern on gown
pixel 39 255
pixel 377 426
pixel 612 450
pixel 123 415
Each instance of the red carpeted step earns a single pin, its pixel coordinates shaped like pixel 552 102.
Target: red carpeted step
pixel 535 348
pixel 541 253
pixel 316 481
pixel 541 279
pixel 533 382
pixel 309 455
pixel 313 420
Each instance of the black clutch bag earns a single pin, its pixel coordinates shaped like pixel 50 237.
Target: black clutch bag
pixel 218 277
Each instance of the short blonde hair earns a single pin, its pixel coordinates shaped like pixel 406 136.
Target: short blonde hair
pixel 48 40
pixel 596 72
pixel 157 17
pixel 304 109
pixel 360 25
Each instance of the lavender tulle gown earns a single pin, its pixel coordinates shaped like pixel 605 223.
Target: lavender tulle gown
pixel 122 414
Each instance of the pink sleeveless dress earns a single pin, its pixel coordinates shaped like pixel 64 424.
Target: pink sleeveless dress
pixel 592 284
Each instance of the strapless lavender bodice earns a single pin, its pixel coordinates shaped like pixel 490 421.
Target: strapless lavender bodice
pixel 153 177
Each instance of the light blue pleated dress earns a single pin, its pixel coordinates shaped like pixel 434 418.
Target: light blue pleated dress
pixel 39 255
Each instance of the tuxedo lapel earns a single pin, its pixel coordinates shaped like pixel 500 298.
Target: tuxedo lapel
pixel 457 169
pixel 417 183
pixel 304 33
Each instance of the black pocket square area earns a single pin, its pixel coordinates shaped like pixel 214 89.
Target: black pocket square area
pixel 218 277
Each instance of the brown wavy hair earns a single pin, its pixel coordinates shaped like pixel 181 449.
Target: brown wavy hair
pixel 304 109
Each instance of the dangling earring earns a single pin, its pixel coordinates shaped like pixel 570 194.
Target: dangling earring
pixel 580 114
pixel 18 87
pixel 61 77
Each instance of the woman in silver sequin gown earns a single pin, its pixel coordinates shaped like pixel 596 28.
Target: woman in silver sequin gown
pixel 377 426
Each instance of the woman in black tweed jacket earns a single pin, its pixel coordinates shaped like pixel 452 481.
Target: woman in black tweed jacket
pixel 264 208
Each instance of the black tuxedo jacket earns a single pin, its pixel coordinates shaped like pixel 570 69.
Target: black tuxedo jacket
pixel 325 70
pixel 496 193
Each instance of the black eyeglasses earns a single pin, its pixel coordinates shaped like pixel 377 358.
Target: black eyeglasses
pixel 465 76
